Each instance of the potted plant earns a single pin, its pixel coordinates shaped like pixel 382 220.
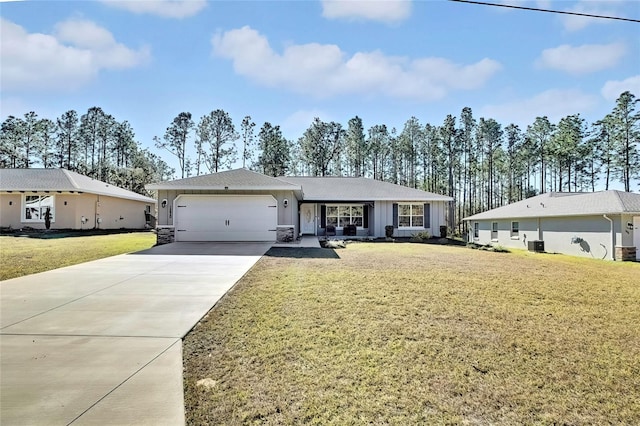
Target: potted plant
pixel 47 218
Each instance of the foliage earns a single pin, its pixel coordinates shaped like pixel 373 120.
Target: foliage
pixel 421 237
pixel 248 139
pixel 321 145
pixel 215 140
pixel 175 140
pixel 95 145
pixel 481 163
pixel 275 157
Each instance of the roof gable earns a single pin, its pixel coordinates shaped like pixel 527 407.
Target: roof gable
pixel 62 180
pixel 556 204
pixel 242 179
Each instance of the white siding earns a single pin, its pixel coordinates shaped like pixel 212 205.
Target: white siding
pixel 383 216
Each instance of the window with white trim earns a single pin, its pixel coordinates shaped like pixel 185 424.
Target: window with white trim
pixel 494 230
pixel 410 215
pixel 34 208
pixel 343 215
pixel 515 229
pixel 476 229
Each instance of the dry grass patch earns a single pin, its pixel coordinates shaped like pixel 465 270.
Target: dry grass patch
pixel 23 256
pixel 408 334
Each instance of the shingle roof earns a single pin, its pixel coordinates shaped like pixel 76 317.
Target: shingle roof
pixel 333 188
pixel 555 204
pixel 61 180
pixel 242 179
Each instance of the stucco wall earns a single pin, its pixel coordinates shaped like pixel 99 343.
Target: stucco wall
pixel 383 216
pixel 10 210
pixel 585 236
pixel 115 213
pixel 626 231
pixel 286 215
pixel 528 230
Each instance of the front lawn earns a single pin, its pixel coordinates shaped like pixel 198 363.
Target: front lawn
pixel 420 334
pixel 23 255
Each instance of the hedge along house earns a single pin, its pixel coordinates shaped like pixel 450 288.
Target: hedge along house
pixel 242 205
pixel 74 201
pixel 603 225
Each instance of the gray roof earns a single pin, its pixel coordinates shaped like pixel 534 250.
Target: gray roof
pixel 556 204
pixel 335 188
pixel 238 179
pixel 308 188
pixel 61 180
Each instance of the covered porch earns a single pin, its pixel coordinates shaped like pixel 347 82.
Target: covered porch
pixel 337 219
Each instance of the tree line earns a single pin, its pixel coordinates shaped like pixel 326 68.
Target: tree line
pixel 479 162
pixel 94 144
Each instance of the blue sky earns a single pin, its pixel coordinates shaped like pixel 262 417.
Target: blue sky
pixel 287 62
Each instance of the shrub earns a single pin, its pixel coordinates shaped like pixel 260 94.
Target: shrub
pixel 420 237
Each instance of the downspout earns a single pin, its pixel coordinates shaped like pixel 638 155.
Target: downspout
pixel 539 231
pixel 613 252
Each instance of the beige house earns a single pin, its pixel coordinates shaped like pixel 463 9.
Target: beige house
pixel 601 225
pixel 242 205
pixel 74 201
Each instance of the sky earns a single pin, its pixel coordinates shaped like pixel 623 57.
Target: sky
pixel 287 62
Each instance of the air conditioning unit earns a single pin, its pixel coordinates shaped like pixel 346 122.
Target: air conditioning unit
pixel 536 246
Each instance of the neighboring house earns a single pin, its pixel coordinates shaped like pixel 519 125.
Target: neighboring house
pixel 74 201
pixel 241 205
pixel 602 225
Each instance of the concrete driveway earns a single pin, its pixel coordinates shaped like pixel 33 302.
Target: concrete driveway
pixel 100 342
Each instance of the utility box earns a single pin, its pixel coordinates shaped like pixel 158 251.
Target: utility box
pixel 536 246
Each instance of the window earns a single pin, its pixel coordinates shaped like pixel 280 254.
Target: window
pixel 410 215
pixel 494 231
pixel 476 229
pixel 343 215
pixel 35 208
pixel 515 229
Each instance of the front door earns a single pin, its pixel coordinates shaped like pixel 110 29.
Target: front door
pixel 308 219
pixel 636 235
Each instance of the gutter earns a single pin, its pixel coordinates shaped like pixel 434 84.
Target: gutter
pixel 613 252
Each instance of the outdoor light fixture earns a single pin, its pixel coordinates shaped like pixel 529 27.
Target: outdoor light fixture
pixel 164 203
pixel 285 202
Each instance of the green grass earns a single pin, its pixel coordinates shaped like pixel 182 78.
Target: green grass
pixel 23 256
pixel 420 334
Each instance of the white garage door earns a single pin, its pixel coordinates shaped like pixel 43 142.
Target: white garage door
pixel 226 218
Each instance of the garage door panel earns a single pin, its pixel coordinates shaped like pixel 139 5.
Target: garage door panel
pixel 226 218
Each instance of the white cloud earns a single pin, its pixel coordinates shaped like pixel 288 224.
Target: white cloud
pixel 388 11
pixel 582 59
pixel 324 70
pixel 69 58
pixel 592 7
pixel 612 89
pixel 163 8
pixel 554 103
